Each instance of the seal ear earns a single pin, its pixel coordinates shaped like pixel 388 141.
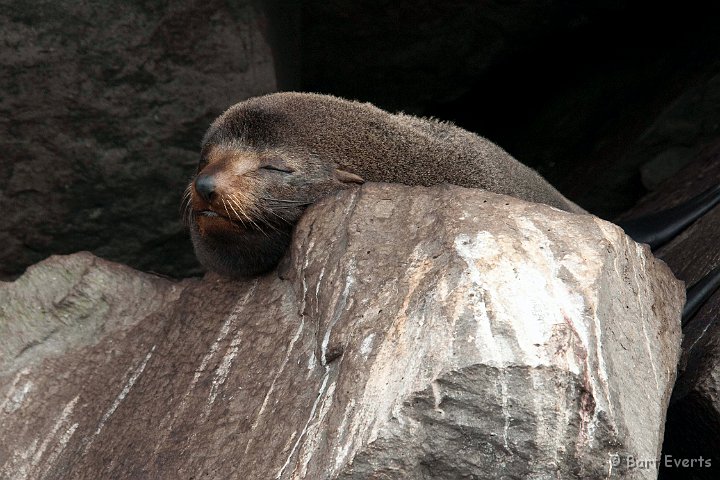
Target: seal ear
pixel 347 177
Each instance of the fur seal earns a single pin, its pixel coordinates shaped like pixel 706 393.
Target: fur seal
pixel 266 159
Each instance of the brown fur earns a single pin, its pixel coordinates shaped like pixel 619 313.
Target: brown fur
pixel 328 143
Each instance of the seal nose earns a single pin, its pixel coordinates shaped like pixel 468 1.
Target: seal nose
pixel 205 186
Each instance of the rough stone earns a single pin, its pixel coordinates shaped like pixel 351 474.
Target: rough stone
pixel 693 423
pixel 103 108
pixel 74 301
pixel 665 165
pixel 409 333
pixel 682 131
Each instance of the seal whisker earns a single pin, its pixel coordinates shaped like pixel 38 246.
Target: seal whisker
pixel 185 206
pixel 245 199
pixel 186 214
pixel 271 209
pixel 249 218
pixel 282 200
pixel 225 206
pixel 234 211
pixel 237 216
pixel 286 207
pixel 268 210
pixel 240 219
pixel 256 211
pixel 233 199
pixel 280 207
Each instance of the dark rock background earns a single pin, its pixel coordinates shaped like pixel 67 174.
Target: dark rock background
pixel 103 105
pixel 586 92
pixel 102 111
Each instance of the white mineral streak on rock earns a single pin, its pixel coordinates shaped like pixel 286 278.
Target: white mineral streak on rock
pixel 643 292
pixel 343 450
pixel 212 351
pixel 24 463
pixel 268 395
pixel 310 434
pixel 62 419
pixel 388 380
pixel 222 371
pixel 437 396
pixel 228 325
pixel 11 388
pixel 62 443
pixel 15 396
pixel 134 375
pixel 316 431
pixel 312 363
pixel 366 345
pixel 305 428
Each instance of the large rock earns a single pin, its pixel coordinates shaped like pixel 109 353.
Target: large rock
pixel 410 333
pixel 694 415
pixel 103 108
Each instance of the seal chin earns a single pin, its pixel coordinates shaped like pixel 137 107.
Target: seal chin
pixel 225 247
pixel 211 223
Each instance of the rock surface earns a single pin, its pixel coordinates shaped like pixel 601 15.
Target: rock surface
pixel 103 108
pixel 497 338
pixel 694 414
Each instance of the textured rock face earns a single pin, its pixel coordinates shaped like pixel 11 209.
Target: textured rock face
pixel 681 134
pixel 104 105
pixel 410 333
pixel 694 415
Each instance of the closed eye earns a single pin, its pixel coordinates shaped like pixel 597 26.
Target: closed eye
pixel 276 163
pixel 277 168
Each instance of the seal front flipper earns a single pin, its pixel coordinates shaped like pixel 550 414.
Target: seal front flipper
pixel 656 229
pixel 699 293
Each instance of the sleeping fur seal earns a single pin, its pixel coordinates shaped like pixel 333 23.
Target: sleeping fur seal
pixel 266 159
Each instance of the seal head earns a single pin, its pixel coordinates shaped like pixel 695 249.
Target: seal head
pixel 250 188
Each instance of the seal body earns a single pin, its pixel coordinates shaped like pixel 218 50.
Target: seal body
pixel 266 159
